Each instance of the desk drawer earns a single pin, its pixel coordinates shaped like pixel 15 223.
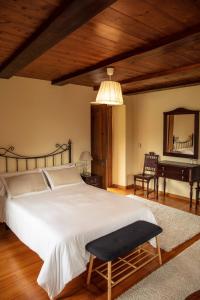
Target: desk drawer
pixel 173 172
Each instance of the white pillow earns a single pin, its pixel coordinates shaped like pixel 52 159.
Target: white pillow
pixel 24 183
pixel 62 176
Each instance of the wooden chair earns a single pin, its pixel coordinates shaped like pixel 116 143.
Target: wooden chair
pixel 149 173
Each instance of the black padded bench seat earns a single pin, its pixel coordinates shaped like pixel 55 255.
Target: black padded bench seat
pixel 123 240
pixel 119 243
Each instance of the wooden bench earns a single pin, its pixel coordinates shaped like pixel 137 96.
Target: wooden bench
pixel 118 244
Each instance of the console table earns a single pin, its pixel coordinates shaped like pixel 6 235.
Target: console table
pixel 179 171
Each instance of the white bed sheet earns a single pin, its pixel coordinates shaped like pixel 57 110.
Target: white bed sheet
pixel 58 224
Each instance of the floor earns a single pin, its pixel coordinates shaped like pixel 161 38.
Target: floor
pixel 173 201
pixel 19 266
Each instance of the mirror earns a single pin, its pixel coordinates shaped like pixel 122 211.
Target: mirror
pixel 181 133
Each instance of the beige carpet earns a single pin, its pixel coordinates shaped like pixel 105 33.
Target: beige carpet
pixel 175 280
pixel 178 226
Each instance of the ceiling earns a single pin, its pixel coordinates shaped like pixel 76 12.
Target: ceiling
pixel 153 44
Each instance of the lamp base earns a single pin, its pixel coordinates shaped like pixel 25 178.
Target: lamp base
pixel 86 174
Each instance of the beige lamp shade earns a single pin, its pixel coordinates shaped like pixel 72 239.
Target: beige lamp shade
pixel 85 155
pixel 110 93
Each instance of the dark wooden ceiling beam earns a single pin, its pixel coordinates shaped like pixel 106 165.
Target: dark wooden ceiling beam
pixel 153 75
pixel 138 52
pixel 69 17
pixel 163 86
pixel 159 74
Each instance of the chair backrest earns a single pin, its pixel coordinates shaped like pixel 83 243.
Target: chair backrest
pixel 150 163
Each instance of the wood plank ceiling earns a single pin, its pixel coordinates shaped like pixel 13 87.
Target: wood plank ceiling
pixel 153 44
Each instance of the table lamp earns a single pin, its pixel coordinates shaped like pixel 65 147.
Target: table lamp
pixel 85 157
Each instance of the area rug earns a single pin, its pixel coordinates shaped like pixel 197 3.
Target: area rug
pixel 178 226
pixel 175 280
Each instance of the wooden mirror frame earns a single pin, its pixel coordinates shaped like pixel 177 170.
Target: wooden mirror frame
pixel 182 111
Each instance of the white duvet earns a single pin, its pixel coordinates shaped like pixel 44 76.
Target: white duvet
pixel 58 224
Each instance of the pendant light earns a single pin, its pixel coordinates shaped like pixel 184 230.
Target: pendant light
pixel 110 92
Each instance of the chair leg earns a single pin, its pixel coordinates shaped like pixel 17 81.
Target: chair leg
pixel 154 185
pixel 197 195
pixel 196 199
pixel 134 185
pixel 158 249
pixel 147 189
pixel 157 187
pixel 143 185
pixel 109 280
pixel 90 269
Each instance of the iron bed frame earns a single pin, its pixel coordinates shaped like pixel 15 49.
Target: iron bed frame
pixel 9 155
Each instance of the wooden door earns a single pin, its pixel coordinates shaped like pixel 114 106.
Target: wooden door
pixel 101 142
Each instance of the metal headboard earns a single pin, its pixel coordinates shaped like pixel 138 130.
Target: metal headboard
pixel 9 155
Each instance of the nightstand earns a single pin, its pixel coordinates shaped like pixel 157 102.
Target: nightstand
pixel 92 179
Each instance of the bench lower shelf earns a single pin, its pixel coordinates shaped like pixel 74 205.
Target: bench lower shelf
pixel 116 271
pixel 126 266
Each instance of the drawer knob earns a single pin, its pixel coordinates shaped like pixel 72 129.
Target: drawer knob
pixel 182 171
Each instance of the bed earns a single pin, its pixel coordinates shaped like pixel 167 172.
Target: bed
pixel 58 223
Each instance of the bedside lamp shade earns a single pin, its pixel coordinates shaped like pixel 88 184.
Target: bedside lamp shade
pixel 85 155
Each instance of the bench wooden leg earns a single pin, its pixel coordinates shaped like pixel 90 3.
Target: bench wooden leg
pixel 109 280
pixel 158 249
pixel 92 257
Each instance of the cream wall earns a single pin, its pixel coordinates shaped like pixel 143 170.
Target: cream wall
pixel 34 115
pixel 144 128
